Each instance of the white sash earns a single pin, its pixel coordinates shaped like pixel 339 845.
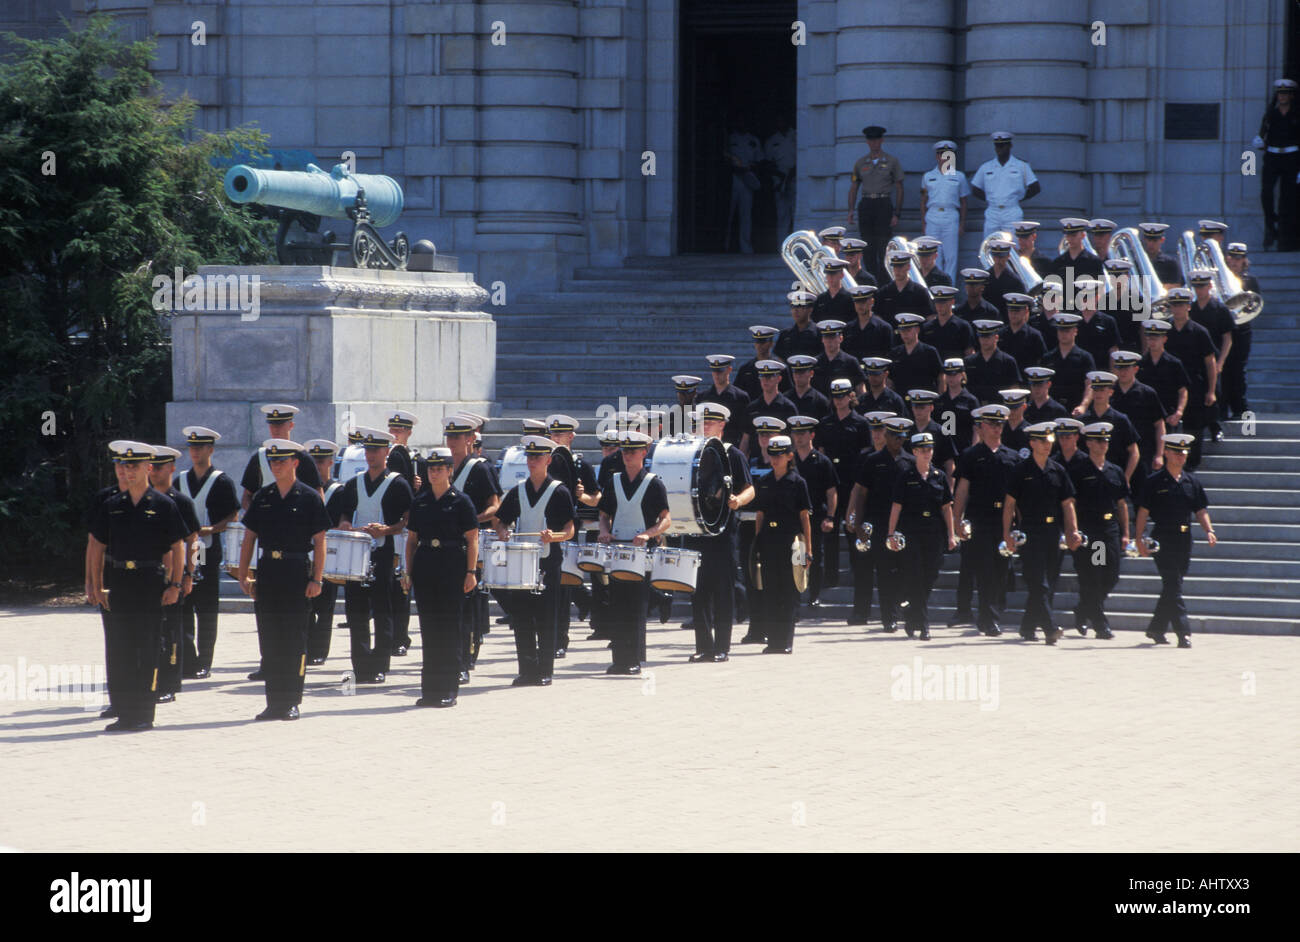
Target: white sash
pixel 200 501
pixel 532 517
pixel 629 520
pixel 370 507
pixel 458 482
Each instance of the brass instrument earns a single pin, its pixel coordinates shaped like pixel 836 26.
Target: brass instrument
pixel 901 244
pixel 806 255
pixel 1020 265
pixel 1087 245
pixel 1244 305
pixel 1127 244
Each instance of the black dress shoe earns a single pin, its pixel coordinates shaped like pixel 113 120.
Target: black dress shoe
pixel 889 628
pixel 446 702
pixel 1184 641
pixel 911 632
pixel 688 626
pixel 399 651
pixel 376 678
pixel 426 702
pixel 960 618
pixel 202 674
pixel 752 638
pixel 665 610
pixel 700 658
pixel 719 658
pixel 597 636
pixel 1053 635
pixel 289 714
pixel 109 714
pixel 1028 636
pixel 523 680
pixel 122 726
pixel 770 649
pixel 1157 638
pixel 1105 634
pixel 544 681
pixel 257 675
pixel 316 661
pixel 623 669
pixel 561 653
pixel 462 677
pixel 1082 630
pixel 270 713
pixel 925 634
pixel 165 698
pixel 992 632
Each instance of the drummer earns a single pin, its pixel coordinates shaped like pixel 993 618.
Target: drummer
pixel 400 425
pixel 611 460
pixel 783 512
pixel 634 510
pixel 579 479
pixel 472 475
pixel 713 602
pixel 322 451
pixel 441 558
pixel 542 510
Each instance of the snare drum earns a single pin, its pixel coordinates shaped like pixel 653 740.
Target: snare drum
pixel 347 556
pixel 627 562
pixel 570 574
pixel 232 540
pixel 592 557
pixel 674 570
pixel 512 566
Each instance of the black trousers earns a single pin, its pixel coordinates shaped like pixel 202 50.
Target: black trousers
pixel 438 584
pixel 1279 169
pixel 1172 562
pixel 745 590
pixel 1195 420
pixel 599 608
pixel 921 558
pixel 874 228
pixel 171 652
pixel 713 603
pixel 475 623
pixel 830 546
pixel 965 577
pixel 200 607
pixel 627 605
pixel 363 601
pixel 1040 557
pixel 876 570
pixel 283 613
pixel 133 636
pixel 988 571
pixel 322 621
pixel 1098 570
pixel 400 606
pixel 1234 374
pixel 533 619
pixel 778 598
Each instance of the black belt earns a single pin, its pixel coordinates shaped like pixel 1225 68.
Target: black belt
pixel 284 555
pixel 134 564
pixel 1040 522
pixel 444 544
pixel 1172 528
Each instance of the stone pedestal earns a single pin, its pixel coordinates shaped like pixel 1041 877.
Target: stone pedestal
pixel 345 345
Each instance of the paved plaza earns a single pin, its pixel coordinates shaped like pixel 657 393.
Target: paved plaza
pixel 850 744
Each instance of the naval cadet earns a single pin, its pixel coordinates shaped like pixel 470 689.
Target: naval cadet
pixel 1194 347
pixel 782 514
pixel 611 461
pixel 927 252
pixel 216 504
pixel 119 485
pixel 713 602
pixel 685 388
pixel 806 399
pixel 286 521
pixel 868 517
pixel 921 402
pixel 171 665
pixel 1071 363
pixel 866 335
pixel 634 510
pixel 1214 316
pixel 951 336
pixel 1279 139
pixel 1142 405
pixel 1002 278
pixel 1041 495
pixel 956 406
pixel 770 402
pixel 990 368
pixel 1076 261
pixel 921 511
pixel 1124 303
pixel 1018 339
pixel 321 629
pixel 766 427
pixel 944 191
pixel 851 251
pixel 913 363
pixel 1164 373
pixel 880 177
pixel 725 393
pixel 441 570
pixel 1097 332
pixel 902 294
pixel 1026 236
pixel 400 425
pixel 137 557
pixel 746 378
pixel 1123 436
pixel 823 490
pixel 376 502
pixel 257 473
pixel 878 397
pixel 834 363
pixel 983 471
pixel 976 307
pixel 472 475
pixel 1042 407
pixel 841 437
pixel 1168 269
pixel 1101 500
pixel 1015 432
pixel 800 337
pixel 579 479
pixel 1100 234
pixel 834 303
pixel 1170 498
pixel 1233 402
pixel 541 508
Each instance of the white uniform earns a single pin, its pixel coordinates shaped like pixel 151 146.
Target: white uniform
pixel 747 149
pixel 780 149
pixel 1004 186
pixel 943 195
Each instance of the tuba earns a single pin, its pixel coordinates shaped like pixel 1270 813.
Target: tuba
pixel 901 244
pixel 1126 244
pixel 1244 305
pixel 1019 264
pixel 806 255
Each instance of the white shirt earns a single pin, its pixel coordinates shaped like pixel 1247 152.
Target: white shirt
pixel 746 147
pixel 780 149
pixel 944 189
pixel 1004 183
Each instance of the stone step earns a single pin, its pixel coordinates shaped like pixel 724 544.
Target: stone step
pixel 1237 511
pixel 1267 464
pixel 1253 445
pixel 1253 497
pixel 1238 480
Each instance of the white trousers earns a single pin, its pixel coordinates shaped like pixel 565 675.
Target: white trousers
pixel 941 222
pixel 1001 217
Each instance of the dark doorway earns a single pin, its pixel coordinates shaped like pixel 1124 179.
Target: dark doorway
pixel 738 76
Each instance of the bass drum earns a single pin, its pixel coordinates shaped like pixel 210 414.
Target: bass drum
pixel 512 467
pixel 697 477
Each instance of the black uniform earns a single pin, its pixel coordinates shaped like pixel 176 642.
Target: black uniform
pixel 360 600
pixel 1192 344
pixel 1049 411
pixel 533 617
pixel 877 473
pixel 779 408
pixel 983 311
pixel 136 537
pixel 1026 346
pixel 399 460
pixel 920 520
pixel 438 583
pixel 910 299
pixel 1085 264
pixel 1143 407
pixel 811 403
pixel 201 604
pixel 843 366
pixel 1098 335
pixel 842 441
pixel 984 377
pixel 570 469
pixel 781 501
pixel 713 603
pixel 1166 376
pixel 999 286
pixel 171 666
pixel 1072 371
pixel 628 598
pixel 737 402
pixel 88 520
pixel 1234 366
pixel 321 630
pixel 792 340
pixel 1217 320
pixel 1168 269
pixel 1172 506
pixel 1281 131
pixel 1098 492
pixel 285 525
pixel 747 381
pixel 819 474
pixel 839 307
pixel 480 486
pixel 874 339
pixel 936 276
pixel 1039 493
pixel 952 339
pixel 1016 438
pixel 919 369
pixel 943 449
pixel 1122 435
pixel 887 401
pixel 962 424
pixel 987 472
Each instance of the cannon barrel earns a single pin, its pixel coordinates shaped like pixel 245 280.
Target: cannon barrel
pixel 317 192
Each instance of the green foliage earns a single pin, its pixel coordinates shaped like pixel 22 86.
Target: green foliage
pixel 134 194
